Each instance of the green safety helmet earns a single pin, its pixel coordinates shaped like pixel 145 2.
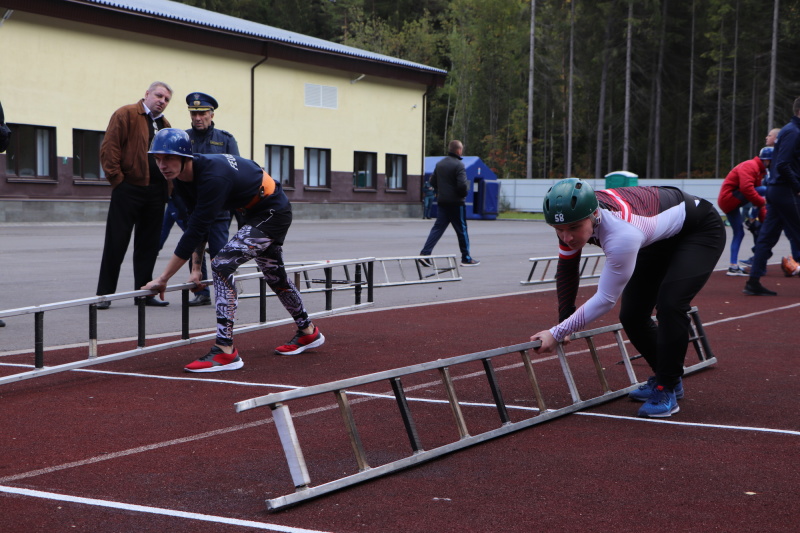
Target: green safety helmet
pixel 568 201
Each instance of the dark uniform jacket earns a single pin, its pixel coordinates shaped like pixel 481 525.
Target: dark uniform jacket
pixel 786 158
pixel 212 141
pixel 222 182
pixel 450 181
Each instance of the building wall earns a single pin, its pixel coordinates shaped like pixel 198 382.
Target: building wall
pixel 66 75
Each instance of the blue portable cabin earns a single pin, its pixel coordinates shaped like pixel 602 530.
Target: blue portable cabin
pixel 483 196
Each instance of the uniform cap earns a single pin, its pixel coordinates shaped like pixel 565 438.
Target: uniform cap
pixel 201 102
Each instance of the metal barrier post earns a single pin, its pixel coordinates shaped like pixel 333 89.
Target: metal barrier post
pixel 92 331
pixel 328 288
pixel 140 303
pixel 185 314
pixel 39 339
pixel 262 300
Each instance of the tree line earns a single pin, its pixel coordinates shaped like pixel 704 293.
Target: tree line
pixel 554 88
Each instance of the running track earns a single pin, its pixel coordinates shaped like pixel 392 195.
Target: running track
pixel 137 445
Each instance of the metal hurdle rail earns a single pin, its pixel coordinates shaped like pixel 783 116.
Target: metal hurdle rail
pixel 294 454
pixel 362 280
pixel 590 268
pixel 388 272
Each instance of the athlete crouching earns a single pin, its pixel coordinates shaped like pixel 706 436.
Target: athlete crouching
pixel 213 183
pixel 661 245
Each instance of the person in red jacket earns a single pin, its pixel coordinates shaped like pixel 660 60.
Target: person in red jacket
pixel 739 189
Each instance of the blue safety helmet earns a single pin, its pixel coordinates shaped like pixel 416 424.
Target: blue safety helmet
pixel 766 153
pixel 172 141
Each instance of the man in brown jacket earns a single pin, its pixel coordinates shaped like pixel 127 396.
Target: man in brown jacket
pixel 139 191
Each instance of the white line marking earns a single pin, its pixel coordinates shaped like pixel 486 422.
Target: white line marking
pixel 155 510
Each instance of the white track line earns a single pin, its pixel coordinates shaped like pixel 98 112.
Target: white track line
pixel 154 510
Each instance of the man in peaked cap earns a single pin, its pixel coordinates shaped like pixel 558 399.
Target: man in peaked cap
pixel 206 139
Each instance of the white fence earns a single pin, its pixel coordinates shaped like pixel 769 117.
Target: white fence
pixel 528 195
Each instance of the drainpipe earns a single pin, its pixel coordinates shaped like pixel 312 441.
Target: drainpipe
pixel 6 16
pixel 253 102
pixel 427 92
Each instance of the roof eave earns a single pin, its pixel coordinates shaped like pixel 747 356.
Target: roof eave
pixel 116 18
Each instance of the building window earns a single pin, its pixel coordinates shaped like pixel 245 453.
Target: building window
pixel 31 152
pixel 280 163
pixel 396 171
pixel 317 168
pixel 323 96
pixel 365 165
pixel 86 154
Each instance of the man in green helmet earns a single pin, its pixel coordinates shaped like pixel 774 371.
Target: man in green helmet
pixel 661 245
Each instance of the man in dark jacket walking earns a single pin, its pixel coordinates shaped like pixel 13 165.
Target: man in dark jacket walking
pixel 449 180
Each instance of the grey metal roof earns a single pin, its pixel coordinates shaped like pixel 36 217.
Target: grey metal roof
pixel 201 17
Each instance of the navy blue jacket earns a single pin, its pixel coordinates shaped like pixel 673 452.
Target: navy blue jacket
pixel 221 182
pixel 786 158
pixel 212 141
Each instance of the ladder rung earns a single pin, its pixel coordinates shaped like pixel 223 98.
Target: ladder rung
pixel 352 430
pixel 496 394
pixel 447 381
pixel 405 413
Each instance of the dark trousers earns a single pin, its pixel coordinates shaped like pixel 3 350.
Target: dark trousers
pixel 132 207
pixel 783 214
pixel 455 215
pixel 668 275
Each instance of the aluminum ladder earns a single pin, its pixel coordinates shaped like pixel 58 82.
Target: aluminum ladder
pixel 591 264
pixel 388 272
pixel 290 443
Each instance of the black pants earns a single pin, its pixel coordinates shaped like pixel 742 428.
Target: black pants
pixel 668 275
pixel 132 206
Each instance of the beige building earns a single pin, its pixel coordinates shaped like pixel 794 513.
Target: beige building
pixel 342 128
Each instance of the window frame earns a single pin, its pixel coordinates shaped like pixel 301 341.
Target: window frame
pixel 389 172
pixel 286 158
pixel 371 163
pixel 322 173
pixel 79 144
pixel 39 134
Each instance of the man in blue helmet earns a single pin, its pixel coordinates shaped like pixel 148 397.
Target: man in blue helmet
pixel 213 183
pixel 661 245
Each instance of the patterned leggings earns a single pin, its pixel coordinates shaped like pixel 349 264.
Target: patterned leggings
pixel 251 243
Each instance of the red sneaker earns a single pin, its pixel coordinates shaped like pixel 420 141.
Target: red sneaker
pixel 300 343
pixel 216 361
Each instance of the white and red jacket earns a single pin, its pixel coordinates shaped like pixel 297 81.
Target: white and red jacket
pixel 630 218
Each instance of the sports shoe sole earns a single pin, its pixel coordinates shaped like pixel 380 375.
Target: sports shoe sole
pixel 678 396
pixel 235 365
pixel 319 342
pixel 660 415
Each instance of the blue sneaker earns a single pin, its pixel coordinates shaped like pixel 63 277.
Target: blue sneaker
pixel 661 404
pixel 642 394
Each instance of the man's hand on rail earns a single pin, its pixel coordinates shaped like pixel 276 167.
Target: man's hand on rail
pixel 157 285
